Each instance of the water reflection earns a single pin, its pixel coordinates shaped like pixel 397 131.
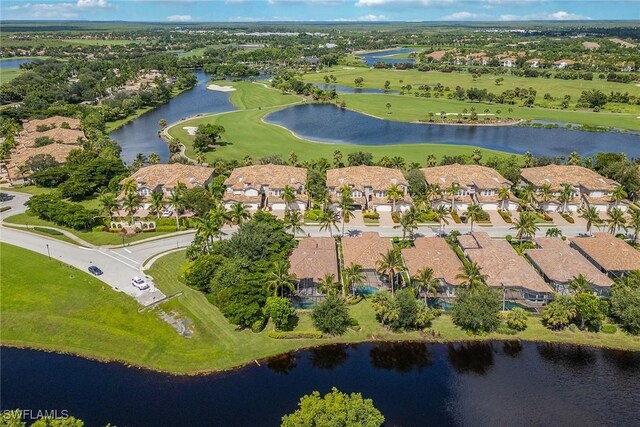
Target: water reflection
pixel 475 357
pixel 329 357
pixel 512 348
pixel 625 361
pixel 571 356
pixel 282 364
pixel 401 357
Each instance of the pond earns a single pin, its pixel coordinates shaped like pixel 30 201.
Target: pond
pixel 14 63
pixel 328 123
pixel 412 384
pixel 385 56
pixel 141 135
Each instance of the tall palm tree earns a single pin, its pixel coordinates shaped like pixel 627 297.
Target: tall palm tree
pixel 177 201
pixel 635 224
pixel 328 285
pixel 390 264
pixel 409 222
pixel 528 159
pixel 108 203
pixel 426 282
pixel 546 193
pixel 433 192
pixel 329 220
pixel 289 196
pixel 131 203
pixel 208 227
pixel 129 186
pixel 574 159
pixel 279 278
pixel 504 194
pixel 453 192
pixel 294 222
pixel 157 202
pixel 472 276
pixel 616 220
pixel 431 161
pixel 527 196
pixel 618 194
pixel 474 213
pixel 239 213
pixel 352 276
pixel 441 213
pixel 154 159
pixel 394 194
pixel 580 284
pixel 345 204
pixel 201 158
pixel 590 214
pixel 566 192
pixel 220 215
pixel 526 225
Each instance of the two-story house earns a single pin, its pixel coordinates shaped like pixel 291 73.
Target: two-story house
pixel 589 188
pixel 475 185
pixel 369 187
pixel 264 186
pixel 165 177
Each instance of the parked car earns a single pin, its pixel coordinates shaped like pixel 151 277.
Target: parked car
pixel 95 270
pixel 139 283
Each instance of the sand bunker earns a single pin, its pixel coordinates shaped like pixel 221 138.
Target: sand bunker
pixel 191 130
pixel 221 88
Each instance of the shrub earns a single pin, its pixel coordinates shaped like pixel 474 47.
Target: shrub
pixel 573 327
pixel 609 329
pixel 568 218
pixel 516 319
pixel 506 216
pixel 294 335
pixel 51 231
pixel 98 228
pixel 508 238
pixel 505 330
pixel 280 311
pixel 331 316
pixel 259 325
pixel 370 215
pixel 313 215
pixel 478 310
pixel 625 307
pixel 395 216
pixel 559 313
pixel 456 217
pixel 169 228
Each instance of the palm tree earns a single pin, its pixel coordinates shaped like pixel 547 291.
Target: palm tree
pixel 618 194
pixel 394 194
pixel 528 159
pixel 635 224
pixel 426 282
pixel 328 285
pixel 157 202
pixel 526 225
pixel 566 192
pixel 574 159
pixel 239 213
pixel 527 196
pixel 389 265
pixel 328 220
pixel 409 222
pixel 590 214
pixel 616 220
pixel 433 191
pixel 154 159
pixel 345 204
pixel 293 222
pixel 352 276
pixel 504 194
pixel 474 213
pixel 289 196
pixel 131 203
pixel 108 203
pixel 279 278
pixel 431 161
pixel 201 158
pixel 453 191
pixel 208 227
pixel 177 201
pixel 441 213
pixel 580 284
pixel 553 232
pixel 546 193
pixel 220 215
pixel 471 276
pixel 129 186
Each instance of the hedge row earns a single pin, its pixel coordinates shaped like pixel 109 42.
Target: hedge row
pixel 295 335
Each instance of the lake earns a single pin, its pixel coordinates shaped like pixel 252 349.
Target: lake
pixel 141 134
pixel 413 384
pixel 384 56
pixel 328 123
pixel 13 63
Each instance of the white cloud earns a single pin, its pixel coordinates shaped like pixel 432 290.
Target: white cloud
pixel 92 3
pixel 179 18
pixel 364 18
pixel 464 16
pixel 45 11
pixel 309 2
pixel 403 3
pixel 560 15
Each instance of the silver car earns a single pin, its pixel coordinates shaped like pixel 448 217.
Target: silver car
pixel 139 283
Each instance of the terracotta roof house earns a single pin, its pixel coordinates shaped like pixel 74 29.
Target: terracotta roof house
pixel 434 253
pixel 563 63
pixel 535 62
pixel 59 135
pixel 608 253
pixel 505 269
pixel 262 186
pixel 366 250
pixel 165 177
pixel 31 126
pixel 590 188
pixel 369 185
pixel 508 62
pixel 559 264
pixel 478 185
pixel 437 55
pixel 314 258
pixel 22 154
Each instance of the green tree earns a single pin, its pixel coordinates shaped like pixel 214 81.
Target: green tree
pixel 453 190
pixel 293 222
pixel 394 194
pixel 407 310
pixel 574 159
pixel 280 311
pixel 472 277
pixel 589 311
pixel 580 284
pixel 590 215
pixel 329 221
pixel 566 193
pixel 331 316
pixel 516 318
pixel 618 194
pixel 334 409
pixel 504 194
pixel 279 278
pixel 206 136
pixel 409 222
pixel 157 203
pixel 108 203
pixel 390 264
pixel 617 220
pixel 477 310
pixel 634 224
pixel 328 284
pixel 625 306
pixel 346 205
pixel 441 213
pixel 288 196
pixel 474 213
pixel 131 203
pixel 352 276
pixel 239 213
pixel 424 281
pixel 177 201
pixel 154 159
pixel 526 226
pixel 559 313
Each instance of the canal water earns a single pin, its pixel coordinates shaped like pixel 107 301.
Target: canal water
pixel 328 123
pixel 385 56
pixel 413 384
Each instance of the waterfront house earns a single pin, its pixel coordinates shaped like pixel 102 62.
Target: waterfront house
pixel 369 185
pixel 21 155
pixel 477 185
pixel 263 186
pixel 589 188
pixel 165 177
pixel 434 253
pixel 505 269
pixel 608 253
pixel 55 122
pixel 559 264
pixel 313 259
pixel 366 250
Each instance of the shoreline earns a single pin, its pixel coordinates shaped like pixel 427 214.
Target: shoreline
pixel 261 360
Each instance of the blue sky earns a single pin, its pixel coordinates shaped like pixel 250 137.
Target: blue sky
pixel 318 10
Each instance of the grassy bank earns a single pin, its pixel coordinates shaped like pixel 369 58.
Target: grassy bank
pixel 67 310
pixel 247 134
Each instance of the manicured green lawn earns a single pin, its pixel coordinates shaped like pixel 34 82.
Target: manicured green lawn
pixel 8 75
pixel 34 190
pixel 256 95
